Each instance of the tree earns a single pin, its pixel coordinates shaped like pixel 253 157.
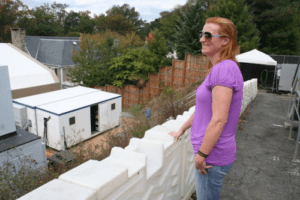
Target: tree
pixel 158 47
pixel 59 11
pixel 128 12
pixel 45 20
pixel 86 24
pixel 96 52
pixel 10 10
pixel 93 59
pixel 130 40
pixel 278 22
pixel 116 23
pixel 238 13
pixel 71 21
pixel 169 20
pixel 186 36
pixel 149 27
pixel 132 66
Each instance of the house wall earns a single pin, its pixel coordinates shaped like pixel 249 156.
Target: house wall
pixel 110 118
pixel 65 72
pixel 52 129
pixel 79 131
pixel 25 92
pixel 31 116
pixel 154 167
pixel 20 155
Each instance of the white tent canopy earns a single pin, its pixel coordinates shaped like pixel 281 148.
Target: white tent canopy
pixel 256 57
pixel 24 71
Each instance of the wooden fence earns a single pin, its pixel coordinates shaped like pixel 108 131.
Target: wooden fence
pixel 180 74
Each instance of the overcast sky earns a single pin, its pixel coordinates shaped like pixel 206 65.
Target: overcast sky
pixel 149 9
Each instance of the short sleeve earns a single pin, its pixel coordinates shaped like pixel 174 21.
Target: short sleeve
pixel 224 73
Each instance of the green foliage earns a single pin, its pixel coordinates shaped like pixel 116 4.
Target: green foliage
pixel 96 52
pixel 186 35
pixel 130 40
pixel 45 20
pixel 149 27
pixel 93 59
pixel 136 110
pixel 73 34
pixel 10 10
pixel 128 12
pixel 158 46
pixel 71 21
pixel 116 23
pixel 136 64
pixel 238 13
pixel 169 21
pixel 133 65
pixel 278 22
pixel 85 25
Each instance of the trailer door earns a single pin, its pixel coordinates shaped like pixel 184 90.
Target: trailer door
pixel 104 118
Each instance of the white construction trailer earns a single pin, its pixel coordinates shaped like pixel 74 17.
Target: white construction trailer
pixel 67 117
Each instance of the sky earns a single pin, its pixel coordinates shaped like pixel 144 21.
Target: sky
pixel 149 9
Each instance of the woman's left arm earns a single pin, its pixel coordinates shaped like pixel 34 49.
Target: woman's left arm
pixel 221 100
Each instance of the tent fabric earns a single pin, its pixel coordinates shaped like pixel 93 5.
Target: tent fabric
pixel 24 71
pixel 256 57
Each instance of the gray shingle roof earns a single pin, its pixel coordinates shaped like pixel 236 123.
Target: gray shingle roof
pixel 52 50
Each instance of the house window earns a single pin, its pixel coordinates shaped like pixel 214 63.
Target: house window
pixel 72 120
pixel 113 106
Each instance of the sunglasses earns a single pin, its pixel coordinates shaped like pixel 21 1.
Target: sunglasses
pixel 208 35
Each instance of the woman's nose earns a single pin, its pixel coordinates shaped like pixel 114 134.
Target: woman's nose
pixel 202 39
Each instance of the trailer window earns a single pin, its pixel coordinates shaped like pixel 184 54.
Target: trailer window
pixel 72 120
pixel 113 106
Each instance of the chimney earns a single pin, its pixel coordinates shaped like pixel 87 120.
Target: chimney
pixel 18 38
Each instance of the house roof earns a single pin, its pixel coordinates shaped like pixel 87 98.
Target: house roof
pixel 24 71
pixel 52 50
pixel 68 100
pixel 50 97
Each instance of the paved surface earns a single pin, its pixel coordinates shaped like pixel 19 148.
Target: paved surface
pixel 263 168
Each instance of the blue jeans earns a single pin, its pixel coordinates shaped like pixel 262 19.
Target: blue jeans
pixel 208 186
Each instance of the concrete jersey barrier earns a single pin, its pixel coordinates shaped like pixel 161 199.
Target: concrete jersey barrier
pixel 154 167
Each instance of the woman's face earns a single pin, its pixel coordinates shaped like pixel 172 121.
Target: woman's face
pixel 212 46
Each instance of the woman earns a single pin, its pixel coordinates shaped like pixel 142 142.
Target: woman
pixel 218 106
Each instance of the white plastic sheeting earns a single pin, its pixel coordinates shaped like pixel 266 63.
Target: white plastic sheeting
pixel 154 167
pixel 24 71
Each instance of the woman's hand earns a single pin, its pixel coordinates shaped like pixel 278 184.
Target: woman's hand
pixel 176 134
pixel 201 164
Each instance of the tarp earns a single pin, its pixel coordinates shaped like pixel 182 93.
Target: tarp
pixel 24 71
pixel 256 57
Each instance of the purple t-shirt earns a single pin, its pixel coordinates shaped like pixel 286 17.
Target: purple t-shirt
pixel 225 73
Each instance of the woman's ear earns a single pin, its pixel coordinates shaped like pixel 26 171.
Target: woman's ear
pixel 225 41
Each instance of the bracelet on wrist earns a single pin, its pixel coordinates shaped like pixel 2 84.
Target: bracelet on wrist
pixel 202 154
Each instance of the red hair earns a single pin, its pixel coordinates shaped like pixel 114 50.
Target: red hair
pixel 229 51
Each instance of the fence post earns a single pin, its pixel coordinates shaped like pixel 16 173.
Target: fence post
pixel 184 69
pixel 172 73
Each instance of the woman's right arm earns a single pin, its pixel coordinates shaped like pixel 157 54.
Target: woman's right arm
pixel 185 126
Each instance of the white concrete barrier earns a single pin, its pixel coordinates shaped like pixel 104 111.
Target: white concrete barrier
pixel 154 167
